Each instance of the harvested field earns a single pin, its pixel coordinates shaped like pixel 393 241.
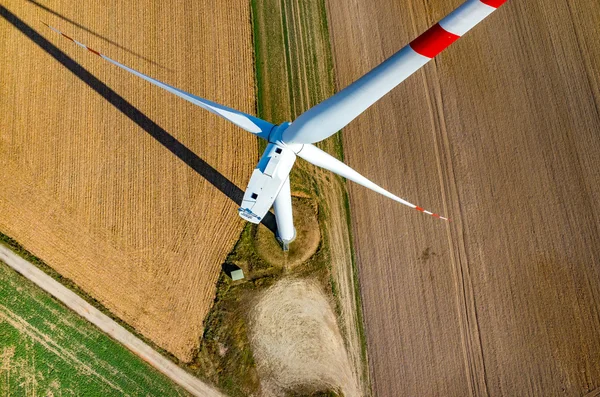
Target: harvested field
pixel 297 343
pixel 500 133
pixel 118 185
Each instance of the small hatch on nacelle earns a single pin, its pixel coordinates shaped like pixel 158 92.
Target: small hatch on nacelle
pixel 254 196
pixel 278 150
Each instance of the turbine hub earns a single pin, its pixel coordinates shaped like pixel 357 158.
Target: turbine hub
pixel 277 133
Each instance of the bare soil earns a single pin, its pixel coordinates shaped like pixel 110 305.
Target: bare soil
pixel 500 133
pixel 130 193
pixel 297 343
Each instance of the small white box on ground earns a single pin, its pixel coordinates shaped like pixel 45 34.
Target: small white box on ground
pixel 237 274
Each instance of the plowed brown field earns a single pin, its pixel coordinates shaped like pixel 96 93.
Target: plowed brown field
pixel 501 133
pixel 126 189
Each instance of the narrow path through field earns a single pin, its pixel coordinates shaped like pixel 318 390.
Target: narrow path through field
pixel 298 72
pixel 110 327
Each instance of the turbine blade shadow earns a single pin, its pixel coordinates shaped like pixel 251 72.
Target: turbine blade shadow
pixel 167 140
pixel 43 7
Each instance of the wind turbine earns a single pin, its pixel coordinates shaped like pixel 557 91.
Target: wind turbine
pixel 269 184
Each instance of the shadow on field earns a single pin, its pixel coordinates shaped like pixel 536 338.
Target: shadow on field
pixel 167 140
pixel 43 7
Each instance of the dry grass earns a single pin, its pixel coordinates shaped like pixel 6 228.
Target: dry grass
pixel 296 341
pixel 501 134
pixel 87 187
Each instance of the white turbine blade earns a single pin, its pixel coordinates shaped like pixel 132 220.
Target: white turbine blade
pixel 316 156
pixel 331 115
pixel 249 123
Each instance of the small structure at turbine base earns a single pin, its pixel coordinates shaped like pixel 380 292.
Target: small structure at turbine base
pixel 237 275
pixel 234 272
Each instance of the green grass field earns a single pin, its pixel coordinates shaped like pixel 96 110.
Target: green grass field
pixel 48 350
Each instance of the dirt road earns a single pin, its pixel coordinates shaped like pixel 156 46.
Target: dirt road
pixel 107 325
pixel 500 133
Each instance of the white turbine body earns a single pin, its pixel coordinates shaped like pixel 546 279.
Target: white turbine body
pixel 267 180
pixel 269 184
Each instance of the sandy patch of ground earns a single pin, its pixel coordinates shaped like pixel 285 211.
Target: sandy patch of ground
pixel 296 341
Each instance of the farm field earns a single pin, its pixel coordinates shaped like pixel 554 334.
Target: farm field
pixel 48 350
pixel 119 186
pixel 500 133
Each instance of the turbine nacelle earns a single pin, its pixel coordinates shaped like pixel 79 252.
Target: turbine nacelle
pixel 269 186
pixel 269 176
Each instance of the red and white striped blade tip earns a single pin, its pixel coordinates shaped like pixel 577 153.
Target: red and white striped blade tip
pixel 432 214
pixel 74 41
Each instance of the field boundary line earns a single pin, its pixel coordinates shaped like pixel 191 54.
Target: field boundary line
pixel 192 384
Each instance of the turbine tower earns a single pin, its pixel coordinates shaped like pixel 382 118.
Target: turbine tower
pixel 269 184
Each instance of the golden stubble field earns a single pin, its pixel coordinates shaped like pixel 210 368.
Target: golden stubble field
pixel 121 187
pixel 502 134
